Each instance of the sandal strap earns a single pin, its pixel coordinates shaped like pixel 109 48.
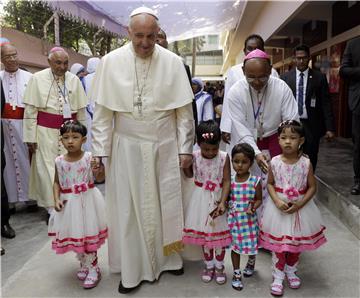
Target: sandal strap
pixel 208 272
pixel 236 277
pixel 91 279
pixel 219 270
pixel 277 286
pixel 250 263
pixel 237 281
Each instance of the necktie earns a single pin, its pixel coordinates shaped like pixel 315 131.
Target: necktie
pixel 301 94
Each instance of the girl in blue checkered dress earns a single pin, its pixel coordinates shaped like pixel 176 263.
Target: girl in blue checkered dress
pixel 245 197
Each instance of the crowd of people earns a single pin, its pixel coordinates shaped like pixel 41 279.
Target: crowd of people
pixel 138 121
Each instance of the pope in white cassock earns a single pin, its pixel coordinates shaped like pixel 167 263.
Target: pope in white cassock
pixel 52 95
pixel 17 169
pixel 143 121
pixel 91 65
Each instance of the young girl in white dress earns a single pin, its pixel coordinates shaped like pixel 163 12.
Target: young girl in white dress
pixel 205 219
pixel 291 222
pixel 78 224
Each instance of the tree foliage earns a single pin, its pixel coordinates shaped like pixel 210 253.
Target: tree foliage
pixel 185 47
pixel 30 17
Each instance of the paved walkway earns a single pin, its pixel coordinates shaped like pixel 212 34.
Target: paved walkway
pixel 331 271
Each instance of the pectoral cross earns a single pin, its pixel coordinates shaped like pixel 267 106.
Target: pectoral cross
pixel 138 104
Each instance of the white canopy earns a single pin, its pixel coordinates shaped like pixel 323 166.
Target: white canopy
pixel 179 19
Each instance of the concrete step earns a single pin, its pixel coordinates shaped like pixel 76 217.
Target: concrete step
pixel 343 207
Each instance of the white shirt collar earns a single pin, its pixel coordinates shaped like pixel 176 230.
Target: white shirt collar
pixel 305 72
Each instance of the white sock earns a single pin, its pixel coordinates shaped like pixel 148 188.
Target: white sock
pixel 219 264
pixel 209 264
pixel 92 272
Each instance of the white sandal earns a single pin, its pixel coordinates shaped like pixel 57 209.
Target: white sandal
pixel 82 273
pixel 92 281
pixel 236 282
pixel 84 269
pixel 293 280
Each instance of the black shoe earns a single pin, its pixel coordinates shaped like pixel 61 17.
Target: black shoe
pixel 47 218
pixel 2 251
pixel 355 190
pixel 176 272
pixel 99 182
pixel 123 290
pixel 32 208
pixel 7 231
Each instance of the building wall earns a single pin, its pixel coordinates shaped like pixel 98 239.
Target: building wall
pixel 207 70
pixel 211 43
pixel 260 17
pixel 33 51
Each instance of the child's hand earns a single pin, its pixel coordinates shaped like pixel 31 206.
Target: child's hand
pixel 251 210
pixel 280 204
pixel 293 207
pixel 59 205
pixel 220 209
pixel 93 163
pixel 98 170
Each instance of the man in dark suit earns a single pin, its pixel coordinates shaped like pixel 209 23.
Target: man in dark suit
pixel 311 90
pixel 350 70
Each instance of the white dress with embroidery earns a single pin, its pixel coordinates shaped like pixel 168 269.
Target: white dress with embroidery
pixel 81 225
pixel 200 228
pixel 301 230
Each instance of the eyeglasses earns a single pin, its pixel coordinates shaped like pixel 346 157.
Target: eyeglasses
pixel 262 79
pixel 9 57
pixel 289 122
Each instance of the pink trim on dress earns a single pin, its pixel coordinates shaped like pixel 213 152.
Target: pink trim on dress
pixel 79 245
pixel 79 239
pixel 210 244
pixel 206 234
pixel 294 244
pixel 293 237
pixel 78 249
pixel 292 247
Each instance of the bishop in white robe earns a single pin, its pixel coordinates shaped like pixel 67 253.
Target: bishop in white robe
pixel 52 95
pixel 234 74
pixel 17 169
pixel 275 103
